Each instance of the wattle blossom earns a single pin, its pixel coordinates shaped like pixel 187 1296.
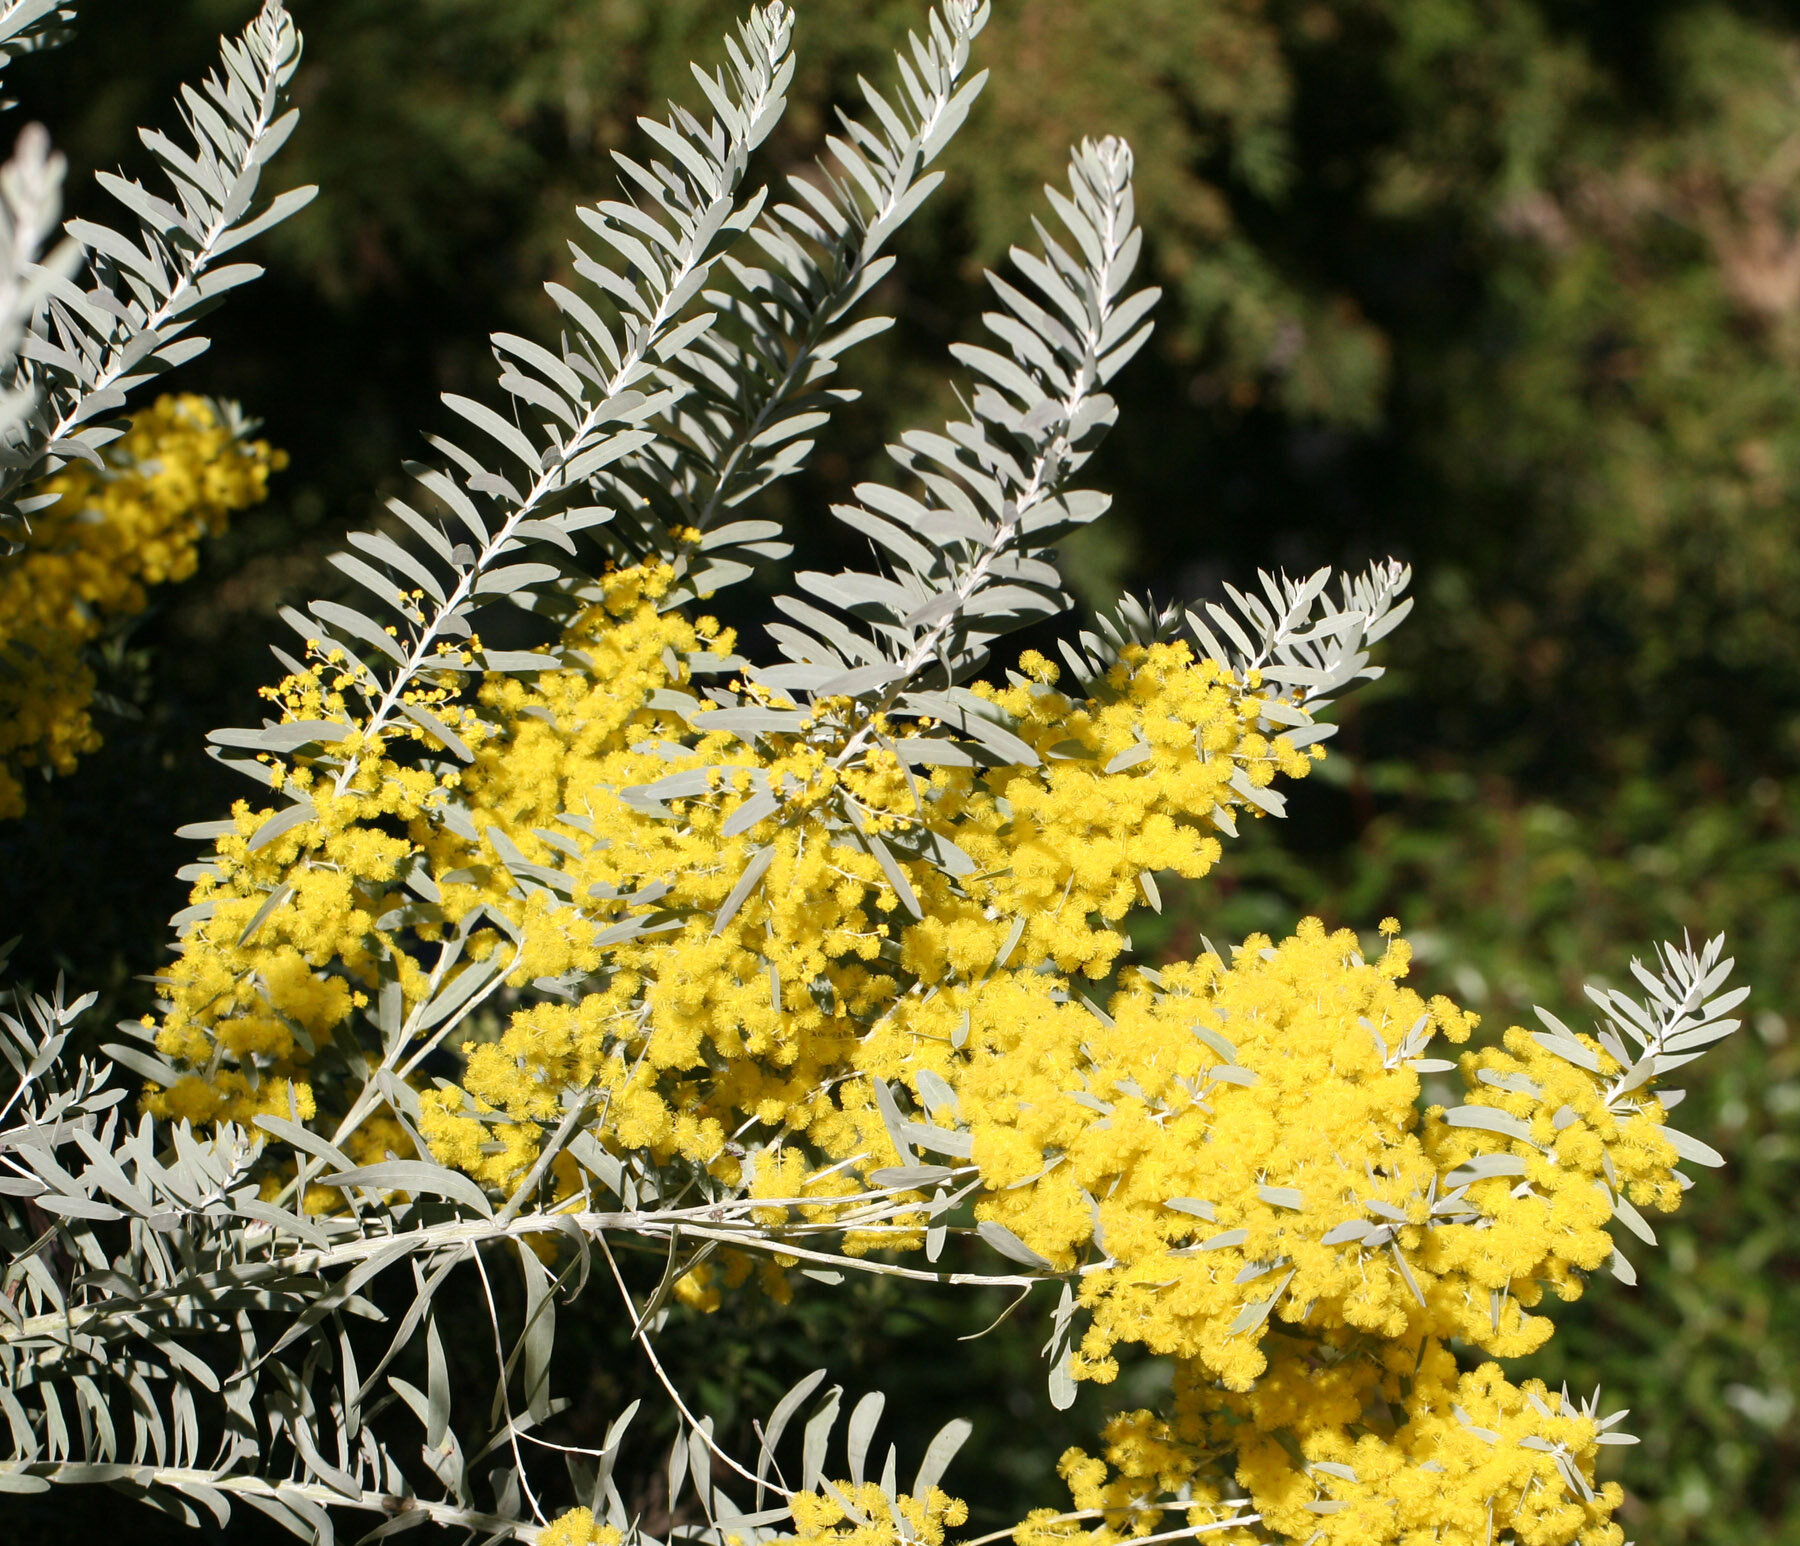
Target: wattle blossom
pixel 1229 1154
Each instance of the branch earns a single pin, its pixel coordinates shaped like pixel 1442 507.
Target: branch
pixel 85 351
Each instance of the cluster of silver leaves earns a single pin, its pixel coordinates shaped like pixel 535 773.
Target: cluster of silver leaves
pixel 168 1331
pixel 30 204
pixel 599 399
pixel 750 389
pixel 966 558
pixel 90 339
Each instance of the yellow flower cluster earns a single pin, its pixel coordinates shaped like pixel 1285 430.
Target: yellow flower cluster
pixel 577 1527
pixel 694 1022
pixel 846 1514
pixel 175 476
pixel 704 1287
pixel 892 909
pixel 1342 1453
pixel 1241 1148
pixel 786 948
pixel 289 928
pixel 1242 1140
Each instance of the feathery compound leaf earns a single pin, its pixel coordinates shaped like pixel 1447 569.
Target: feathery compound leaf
pixel 1298 638
pixel 962 557
pixel 110 1377
pixel 86 349
pixel 1681 1014
pixel 524 477
pixel 749 393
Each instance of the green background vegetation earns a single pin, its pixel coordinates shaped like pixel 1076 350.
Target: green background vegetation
pixel 1510 288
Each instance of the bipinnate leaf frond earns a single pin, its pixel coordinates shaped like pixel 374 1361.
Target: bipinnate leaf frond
pixel 31 184
pixel 751 392
pixel 1296 637
pixel 87 348
pixel 522 480
pixel 965 557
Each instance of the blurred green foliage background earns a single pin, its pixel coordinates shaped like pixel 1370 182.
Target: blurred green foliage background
pixel 1510 288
